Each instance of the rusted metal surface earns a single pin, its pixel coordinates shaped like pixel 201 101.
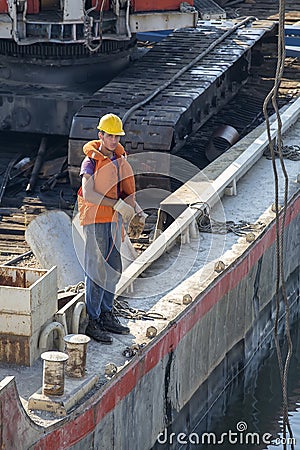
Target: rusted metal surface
pixel 222 139
pixel 28 301
pixel 78 428
pixel 16 430
pixel 18 210
pixel 15 349
pixel 53 373
pixel 18 277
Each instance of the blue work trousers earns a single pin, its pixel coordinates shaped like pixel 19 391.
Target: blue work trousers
pixel 103 266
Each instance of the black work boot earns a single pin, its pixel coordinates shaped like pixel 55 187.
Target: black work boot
pixel 111 323
pixel 94 331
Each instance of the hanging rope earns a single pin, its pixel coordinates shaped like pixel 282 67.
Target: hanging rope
pixel 283 365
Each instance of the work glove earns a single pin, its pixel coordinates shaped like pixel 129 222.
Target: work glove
pixel 136 225
pixel 126 211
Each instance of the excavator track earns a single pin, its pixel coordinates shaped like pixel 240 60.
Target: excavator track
pixel 210 75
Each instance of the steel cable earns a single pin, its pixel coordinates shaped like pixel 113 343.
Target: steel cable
pixel 283 365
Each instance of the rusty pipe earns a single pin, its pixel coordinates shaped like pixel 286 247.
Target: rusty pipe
pixel 79 310
pixel 221 140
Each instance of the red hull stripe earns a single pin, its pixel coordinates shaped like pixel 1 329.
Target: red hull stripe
pixel 122 384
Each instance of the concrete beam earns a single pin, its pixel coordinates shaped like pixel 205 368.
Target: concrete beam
pixel 205 191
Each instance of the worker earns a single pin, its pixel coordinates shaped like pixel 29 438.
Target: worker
pixel 106 201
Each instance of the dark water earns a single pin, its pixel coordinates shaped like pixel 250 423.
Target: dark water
pixel 247 414
pixel 253 417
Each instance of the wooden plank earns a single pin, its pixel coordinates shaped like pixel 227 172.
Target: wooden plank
pixel 13 245
pixel 11 227
pixel 10 236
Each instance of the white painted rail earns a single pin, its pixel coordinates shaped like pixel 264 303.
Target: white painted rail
pixel 208 192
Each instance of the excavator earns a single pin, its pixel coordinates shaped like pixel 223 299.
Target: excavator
pixel 56 53
pixel 65 63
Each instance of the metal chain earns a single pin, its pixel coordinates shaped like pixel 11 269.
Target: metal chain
pixel 121 308
pixel 206 224
pixel 291 152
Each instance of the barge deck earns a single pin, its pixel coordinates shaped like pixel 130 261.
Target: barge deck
pixel 234 301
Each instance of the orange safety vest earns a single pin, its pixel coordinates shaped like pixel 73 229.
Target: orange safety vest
pixel 107 177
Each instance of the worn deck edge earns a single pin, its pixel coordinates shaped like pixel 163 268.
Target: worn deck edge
pixel 103 408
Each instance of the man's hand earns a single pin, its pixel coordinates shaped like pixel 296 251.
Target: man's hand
pixel 126 211
pixel 136 225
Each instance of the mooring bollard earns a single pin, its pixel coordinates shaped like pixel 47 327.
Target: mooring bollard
pixel 53 373
pixel 76 349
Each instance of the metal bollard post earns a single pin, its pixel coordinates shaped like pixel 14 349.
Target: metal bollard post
pixel 76 348
pixel 53 373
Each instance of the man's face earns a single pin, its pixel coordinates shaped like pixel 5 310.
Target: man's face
pixel 110 141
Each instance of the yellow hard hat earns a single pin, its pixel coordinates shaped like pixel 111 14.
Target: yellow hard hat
pixel 111 124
